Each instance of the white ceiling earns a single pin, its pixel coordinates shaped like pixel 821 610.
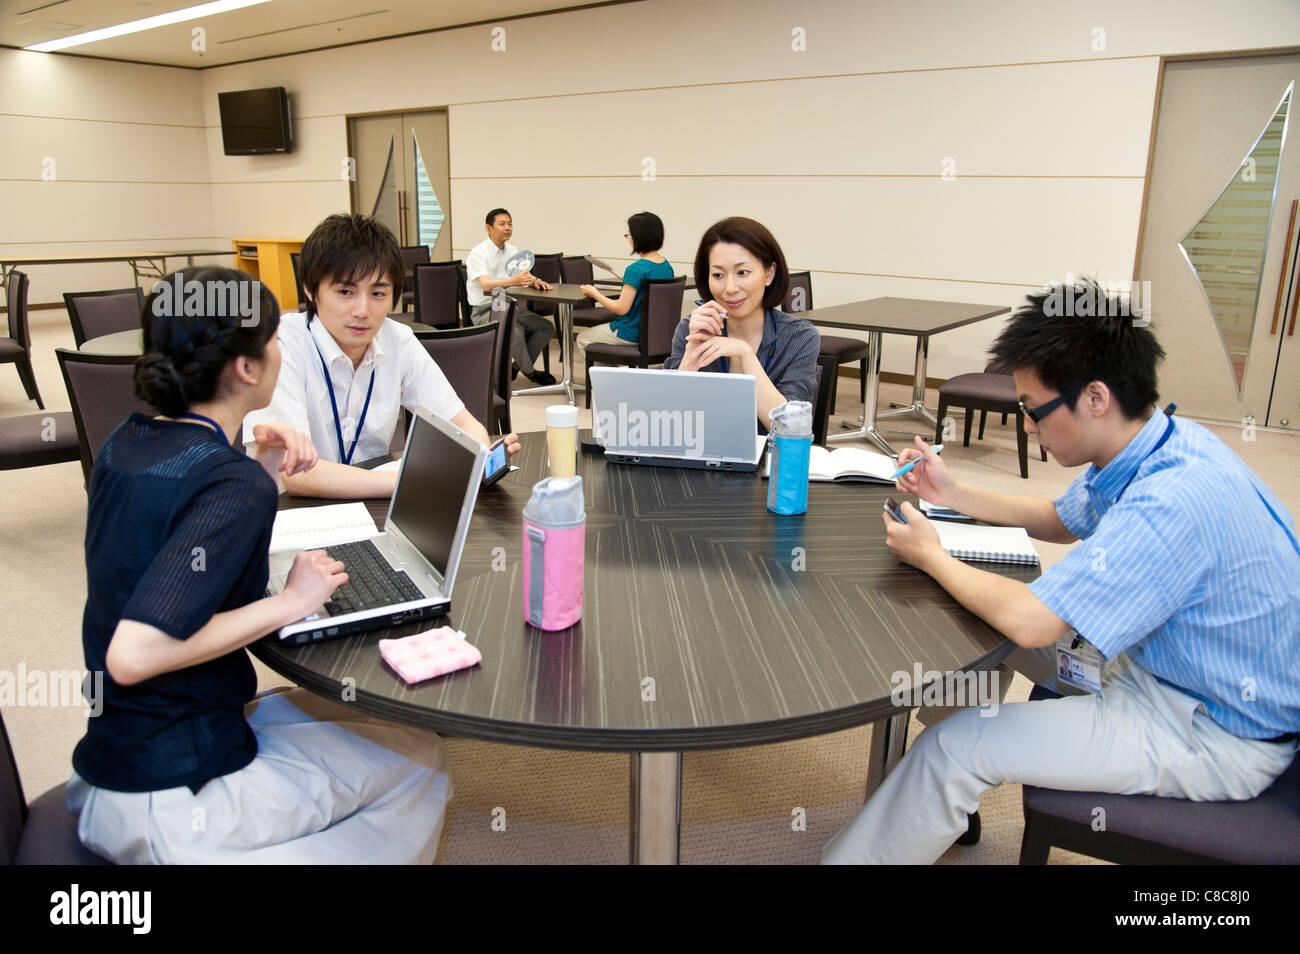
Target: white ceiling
pixel 268 29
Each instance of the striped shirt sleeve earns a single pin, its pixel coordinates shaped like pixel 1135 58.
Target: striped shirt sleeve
pixel 1075 509
pixel 674 360
pixel 796 373
pixel 1140 567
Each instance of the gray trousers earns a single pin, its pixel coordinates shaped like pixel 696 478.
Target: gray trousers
pixel 1138 735
pixel 532 333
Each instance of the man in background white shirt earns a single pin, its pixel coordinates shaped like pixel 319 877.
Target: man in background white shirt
pixel 347 370
pixel 485 271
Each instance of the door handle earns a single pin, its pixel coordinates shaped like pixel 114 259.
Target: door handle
pixel 1281 278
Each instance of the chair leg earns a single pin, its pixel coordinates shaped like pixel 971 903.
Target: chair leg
pixel 970 419
pixel 1022 445
pixel 586 371
pixel 28 377
pixel 862 381
pixel 1004 418
pixel 1043 451
pixel 1034 846
pixel 938 421
pixel 984 416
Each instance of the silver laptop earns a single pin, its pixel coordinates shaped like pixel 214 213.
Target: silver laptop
pixel 404 574
pixel 676 419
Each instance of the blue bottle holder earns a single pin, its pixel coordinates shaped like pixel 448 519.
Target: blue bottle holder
pixel 787 486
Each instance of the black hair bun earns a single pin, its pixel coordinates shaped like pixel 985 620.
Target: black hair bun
pixel 159 385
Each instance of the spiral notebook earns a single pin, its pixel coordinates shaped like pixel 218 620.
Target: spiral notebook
pixel 987 544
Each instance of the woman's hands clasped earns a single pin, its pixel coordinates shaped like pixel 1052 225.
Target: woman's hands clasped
pixel 705 342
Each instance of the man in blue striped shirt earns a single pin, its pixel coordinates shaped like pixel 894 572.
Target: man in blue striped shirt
pixel 1185 581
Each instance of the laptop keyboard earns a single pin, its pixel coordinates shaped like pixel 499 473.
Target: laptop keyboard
pixel 372 582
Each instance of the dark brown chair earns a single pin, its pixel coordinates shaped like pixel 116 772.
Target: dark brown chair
pixel 437 301
pixel 985 391
pixel 412 255
pixel 42 833
pixel 466 357
pixel 548 268
pixel 463 291
pixel 99 313
pixel 297 279
pixel 843 350
pixel 826 380
pixel 661 312
pixel 577 271
pixel 102 391
pixel 503 316
pixel 17 348
pixel 34 440
pixel 1153 830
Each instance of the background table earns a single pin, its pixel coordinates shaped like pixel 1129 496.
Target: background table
pixel 751 628
pixel 149 264
pixel 897 316
pixel 565 296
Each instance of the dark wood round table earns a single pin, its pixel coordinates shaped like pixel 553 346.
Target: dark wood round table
pixel 708 622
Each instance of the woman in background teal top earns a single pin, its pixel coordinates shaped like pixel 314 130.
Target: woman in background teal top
pixel 645 231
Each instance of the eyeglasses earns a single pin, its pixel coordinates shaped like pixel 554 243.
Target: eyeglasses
pixel 1038 413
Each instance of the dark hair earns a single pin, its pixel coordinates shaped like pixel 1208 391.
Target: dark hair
pixel 1071 335
pixel 194 322
pixel 755 239
pixel 349 248
pixel 492 216
pixel 647 231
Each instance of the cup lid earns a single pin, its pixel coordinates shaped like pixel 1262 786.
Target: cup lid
pixel 561 415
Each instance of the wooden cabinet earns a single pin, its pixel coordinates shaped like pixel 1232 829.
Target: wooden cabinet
pixel 268 261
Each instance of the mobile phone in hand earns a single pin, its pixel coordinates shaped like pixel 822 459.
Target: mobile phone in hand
pixel 894 510
pixel 498 463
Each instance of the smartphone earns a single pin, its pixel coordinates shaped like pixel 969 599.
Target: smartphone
pixel 498 463
pixel 894 510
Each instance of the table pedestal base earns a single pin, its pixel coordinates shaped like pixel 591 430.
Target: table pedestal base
pixel 566 384
pixel 868 430
pixel 888 739
pixel 655 822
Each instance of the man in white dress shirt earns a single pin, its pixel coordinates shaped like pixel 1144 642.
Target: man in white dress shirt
pixel 485 271
pixel 347 370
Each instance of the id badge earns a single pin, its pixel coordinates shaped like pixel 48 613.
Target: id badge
pixel 1078 663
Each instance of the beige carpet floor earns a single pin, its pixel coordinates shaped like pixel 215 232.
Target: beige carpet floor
pixel 557 807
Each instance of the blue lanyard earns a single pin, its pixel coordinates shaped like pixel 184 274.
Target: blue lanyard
pixel 206 420
pixel 345 458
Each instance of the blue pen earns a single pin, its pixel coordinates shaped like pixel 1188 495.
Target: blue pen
pixel 938 448
pixel 701 301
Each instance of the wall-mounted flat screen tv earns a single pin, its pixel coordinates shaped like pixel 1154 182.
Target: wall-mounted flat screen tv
pixel 255 121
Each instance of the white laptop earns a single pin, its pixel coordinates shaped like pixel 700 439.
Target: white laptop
pixel 404 574
pixel 676 419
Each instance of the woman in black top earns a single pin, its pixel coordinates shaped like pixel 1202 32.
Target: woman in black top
pixel 177 532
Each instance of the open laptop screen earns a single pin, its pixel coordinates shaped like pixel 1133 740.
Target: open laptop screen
pixel 430 496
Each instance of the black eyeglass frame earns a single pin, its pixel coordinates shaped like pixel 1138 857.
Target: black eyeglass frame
pixel 1037 414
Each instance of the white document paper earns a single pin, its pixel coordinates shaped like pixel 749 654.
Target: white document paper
pixel 310 528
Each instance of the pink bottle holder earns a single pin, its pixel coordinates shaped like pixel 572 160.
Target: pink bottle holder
pixel 553 566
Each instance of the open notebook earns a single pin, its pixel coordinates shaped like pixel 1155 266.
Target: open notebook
pixel 988 544
pixel 846 465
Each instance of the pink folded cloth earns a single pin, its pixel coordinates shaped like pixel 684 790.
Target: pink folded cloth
pixel 435 652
